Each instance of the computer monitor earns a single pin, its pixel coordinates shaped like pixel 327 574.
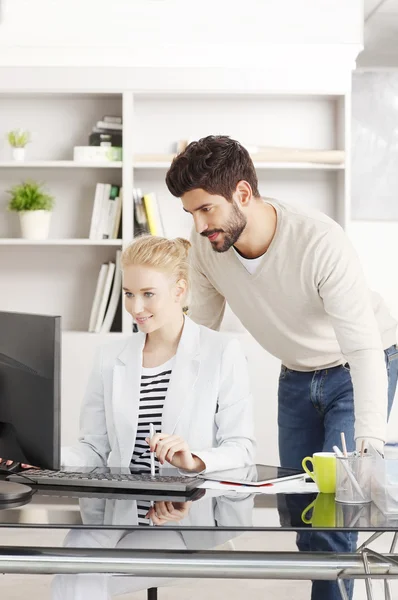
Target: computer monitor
pixel 30 354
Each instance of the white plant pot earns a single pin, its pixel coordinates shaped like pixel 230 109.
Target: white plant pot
pixel 35 224
pixel 18 153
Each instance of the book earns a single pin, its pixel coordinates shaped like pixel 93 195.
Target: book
pixel 153 214
pixel 97 296
pixel 118 216
pixel 106 139
pixel 115 296
pixel 97 211
pixel 105 125
pixel 112 119
pixel 140 219
pixel 110 209
pixel 118 319
pixel 105 297
pixel 103 222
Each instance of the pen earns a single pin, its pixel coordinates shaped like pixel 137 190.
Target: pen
pixel 247 484
pixel 362 448
pixel 152 454
pixel 343 444
pixel 347 468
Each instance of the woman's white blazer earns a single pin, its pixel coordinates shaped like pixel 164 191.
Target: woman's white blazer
pixel 208 402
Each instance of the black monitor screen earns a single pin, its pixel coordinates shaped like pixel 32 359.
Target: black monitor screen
pixel 30 389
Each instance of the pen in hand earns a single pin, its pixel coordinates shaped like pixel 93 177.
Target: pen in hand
pixel 152 454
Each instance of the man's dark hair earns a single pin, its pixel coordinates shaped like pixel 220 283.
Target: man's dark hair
pixel 216 164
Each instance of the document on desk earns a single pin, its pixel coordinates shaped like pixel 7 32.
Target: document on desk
pixel 297 486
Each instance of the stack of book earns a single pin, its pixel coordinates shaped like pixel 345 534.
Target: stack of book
pixel 147 217
pixel 107 132
pixel 105 142
pixel 107 212
pixel 106 308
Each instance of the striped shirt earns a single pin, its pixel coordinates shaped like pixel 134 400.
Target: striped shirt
pixel 153 390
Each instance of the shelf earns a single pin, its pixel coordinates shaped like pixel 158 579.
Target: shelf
pixel 150 164
pixel 278 166
pixel 299 166
pixel 115 334
pixel 58 164
pixel 159 164
pixel 159 161
pixel 58 242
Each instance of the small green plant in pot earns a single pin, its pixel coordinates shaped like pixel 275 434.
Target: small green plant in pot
pixel 34 207
pixel 18 139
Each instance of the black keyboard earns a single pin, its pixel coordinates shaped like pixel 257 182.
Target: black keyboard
pixel 50 492
pixel 126 481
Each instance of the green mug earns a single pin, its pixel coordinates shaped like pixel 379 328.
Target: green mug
pixel 323 470
pixel 323 511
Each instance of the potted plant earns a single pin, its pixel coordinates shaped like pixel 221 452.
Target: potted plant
pixel 18 138
pixel 34 207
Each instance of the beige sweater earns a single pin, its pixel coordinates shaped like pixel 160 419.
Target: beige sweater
pixel 307 304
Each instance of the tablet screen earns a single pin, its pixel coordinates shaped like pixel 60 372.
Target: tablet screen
pixel 254 475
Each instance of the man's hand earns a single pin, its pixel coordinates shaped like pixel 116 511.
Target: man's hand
pixel 174 450
pixel 163 512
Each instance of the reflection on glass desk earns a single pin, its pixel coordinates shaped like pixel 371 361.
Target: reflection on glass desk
pixel 206 510
pixel 109 534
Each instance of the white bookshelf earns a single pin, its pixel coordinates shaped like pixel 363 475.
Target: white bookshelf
pixel 59 242
pixel 60 273
pixel 58 164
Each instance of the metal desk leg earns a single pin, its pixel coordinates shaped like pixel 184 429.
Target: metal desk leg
pixel 387 590
pixel 152 594
pixel 394 542
pixel 368 581
pixel 343 591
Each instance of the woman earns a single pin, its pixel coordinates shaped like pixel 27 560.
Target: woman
pixel 189 381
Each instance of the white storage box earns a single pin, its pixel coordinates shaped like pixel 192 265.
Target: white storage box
pixel 97 153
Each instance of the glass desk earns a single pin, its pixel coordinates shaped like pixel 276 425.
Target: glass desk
pixel 104 536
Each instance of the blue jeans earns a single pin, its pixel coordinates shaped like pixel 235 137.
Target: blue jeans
pixel 313 408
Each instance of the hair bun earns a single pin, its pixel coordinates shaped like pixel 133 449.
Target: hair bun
pixel 184 244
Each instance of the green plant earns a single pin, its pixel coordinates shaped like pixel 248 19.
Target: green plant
pixel 29 196
pixel 18 138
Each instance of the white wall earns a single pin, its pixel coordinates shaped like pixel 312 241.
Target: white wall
pixel 175 32
pixel 64 22
pixel 376 244
pixel 380 34
pixel 277 46
pixel 374 216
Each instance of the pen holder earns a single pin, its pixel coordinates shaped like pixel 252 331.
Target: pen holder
pixel 354 515
pixel 353 478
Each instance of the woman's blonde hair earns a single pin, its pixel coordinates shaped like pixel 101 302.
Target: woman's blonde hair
pixel 170 256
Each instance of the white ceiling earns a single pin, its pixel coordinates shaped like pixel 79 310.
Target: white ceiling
pixel 380 34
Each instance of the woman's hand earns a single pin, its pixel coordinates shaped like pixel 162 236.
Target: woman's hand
pixel 174 450
pixel 8 463
pixel 163 512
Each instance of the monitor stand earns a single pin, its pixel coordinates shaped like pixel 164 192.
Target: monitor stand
pixel 14 492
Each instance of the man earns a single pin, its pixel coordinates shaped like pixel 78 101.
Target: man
pixel 294 281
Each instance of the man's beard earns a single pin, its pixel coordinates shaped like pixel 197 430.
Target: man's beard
pixel 232 230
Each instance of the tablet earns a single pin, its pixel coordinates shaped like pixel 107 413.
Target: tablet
pixel 254 475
